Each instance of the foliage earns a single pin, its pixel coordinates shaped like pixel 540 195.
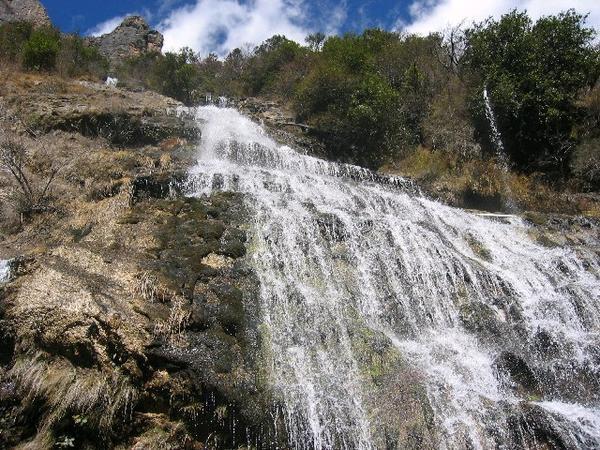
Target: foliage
pixel 367 95
pixel 13 36
pixel 175 75
pixel 76 59
pixel 533 73
pixel 41 49
pixel 267 61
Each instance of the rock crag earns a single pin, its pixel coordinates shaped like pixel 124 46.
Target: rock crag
pixel 132 38
pixel 23 10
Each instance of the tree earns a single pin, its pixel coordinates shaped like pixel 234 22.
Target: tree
pixel 315 41
pixel 41 49
pixel 533 74
pixel 176 75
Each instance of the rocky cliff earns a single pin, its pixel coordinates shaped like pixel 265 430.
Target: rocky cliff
pixel 132 38
pixel 130 317
pixel 23 10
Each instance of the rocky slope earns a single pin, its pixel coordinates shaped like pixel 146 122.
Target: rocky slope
pixel 119 279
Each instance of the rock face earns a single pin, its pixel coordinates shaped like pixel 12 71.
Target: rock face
pixel 132 38
pixel 23 10
pixel 150 339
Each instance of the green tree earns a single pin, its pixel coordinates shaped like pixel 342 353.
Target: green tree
pixel 533 74
pixel 176 75
pixel 41 49
pixel 268 59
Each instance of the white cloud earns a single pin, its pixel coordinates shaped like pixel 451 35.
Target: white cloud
pixel 431 15
pixel 106 27
pixel 222 25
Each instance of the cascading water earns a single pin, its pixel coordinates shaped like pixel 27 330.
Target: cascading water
pixel 4 270
pixel 495 135
pixel 501 155
pixel 393 321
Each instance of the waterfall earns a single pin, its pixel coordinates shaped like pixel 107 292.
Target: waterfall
pixel 495 135
pixel 394 321
pixel 4 270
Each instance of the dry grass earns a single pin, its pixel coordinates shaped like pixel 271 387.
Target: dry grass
pixel 66 390
pixel 450 177
pixel 172 330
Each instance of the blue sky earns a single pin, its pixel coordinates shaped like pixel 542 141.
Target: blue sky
pixel 221 25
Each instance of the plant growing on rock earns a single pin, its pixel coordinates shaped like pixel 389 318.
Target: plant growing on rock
pixel 32 194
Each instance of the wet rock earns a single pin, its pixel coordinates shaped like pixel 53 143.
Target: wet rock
pixel 157 186
pixel 534 428
pixel 516 370
pixel 482 319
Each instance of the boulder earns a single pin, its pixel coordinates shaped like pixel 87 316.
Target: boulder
pixel 132 38
pixel 24 11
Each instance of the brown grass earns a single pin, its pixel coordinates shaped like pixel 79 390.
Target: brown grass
pixel 446 176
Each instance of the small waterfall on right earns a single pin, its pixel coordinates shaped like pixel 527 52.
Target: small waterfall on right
pixel 391 321
pixel 496 137
pixel 501 156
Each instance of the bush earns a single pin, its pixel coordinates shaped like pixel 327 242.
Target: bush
pixel 176 75
pixel 585 163
pixel 41 49
pixel 75 59
pixel 135 72
pixel 533 73
pixel 32 193
pixel 12 39
pixel 448 126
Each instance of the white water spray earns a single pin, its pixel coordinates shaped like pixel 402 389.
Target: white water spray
pixel 4 270
pixel 364 280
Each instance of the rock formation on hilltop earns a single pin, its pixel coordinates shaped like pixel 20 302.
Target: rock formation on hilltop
pixel 23 10
pixel 132 38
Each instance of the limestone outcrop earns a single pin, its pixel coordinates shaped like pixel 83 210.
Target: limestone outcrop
pixel 23 10
pixel 132 38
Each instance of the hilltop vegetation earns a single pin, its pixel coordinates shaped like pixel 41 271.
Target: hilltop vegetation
pixel 375 98
pixel 399 102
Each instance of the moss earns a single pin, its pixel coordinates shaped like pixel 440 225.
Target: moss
pixel 546 241
pixel 535 218
pixel 478 248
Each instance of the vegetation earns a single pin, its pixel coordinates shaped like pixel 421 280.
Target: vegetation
pixel 375 98
pixel 534 74
pixel 45 49
pixel 379 98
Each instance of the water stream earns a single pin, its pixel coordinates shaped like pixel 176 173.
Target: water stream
pixel 394 321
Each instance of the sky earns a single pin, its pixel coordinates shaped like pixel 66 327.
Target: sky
pixel 221 25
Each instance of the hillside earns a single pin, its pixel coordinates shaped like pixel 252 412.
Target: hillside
pixel 374 246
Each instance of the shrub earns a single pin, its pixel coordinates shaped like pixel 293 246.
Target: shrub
pixel 41 49
pixel 32 194
pixel 585 163
pixel 135 72
pixel 75 59
pixel 12 39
